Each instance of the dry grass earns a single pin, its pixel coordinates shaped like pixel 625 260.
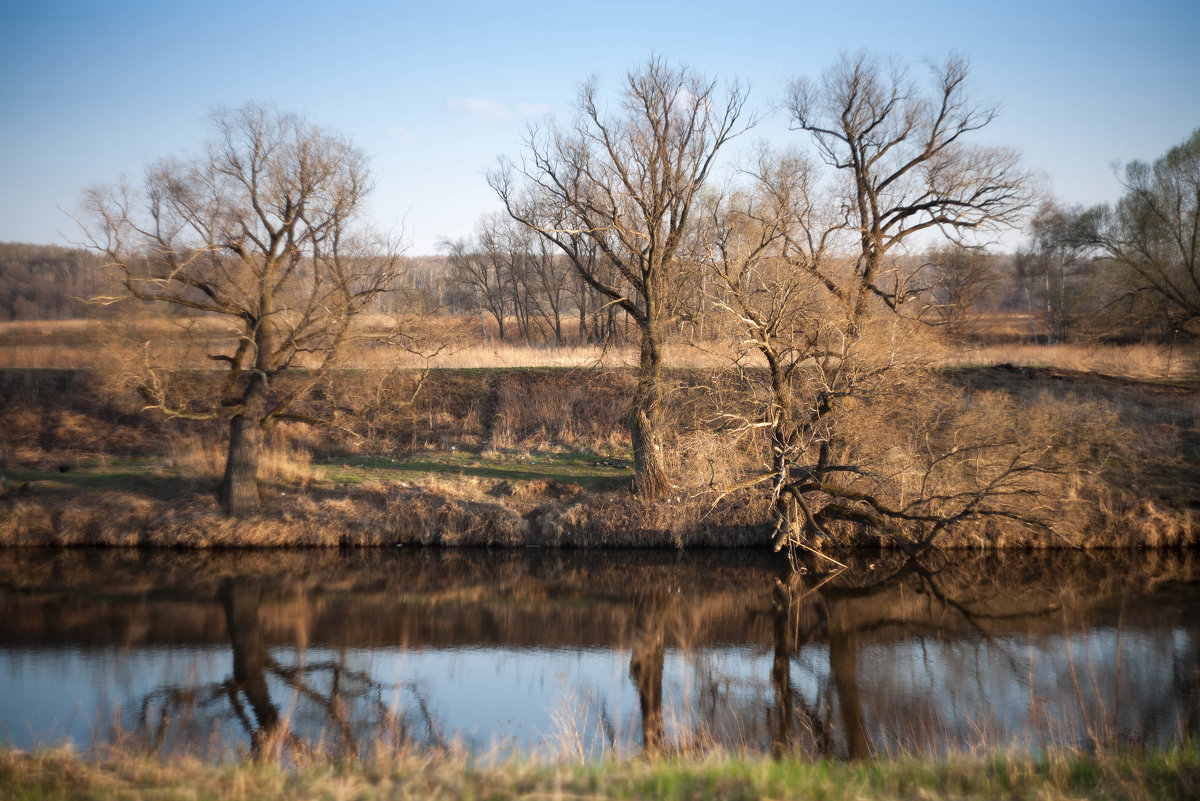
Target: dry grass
pixel 78 344
pixel 489 355
pixel 575 409
pixel 462 512
pixel 1142 361
pixel 283 459
pixel 1124 452
pixel 61 774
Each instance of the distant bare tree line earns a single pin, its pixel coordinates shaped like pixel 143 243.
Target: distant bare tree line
pixel 514 280
pixel 1119 273
pixel 47 282
pixel 1127 272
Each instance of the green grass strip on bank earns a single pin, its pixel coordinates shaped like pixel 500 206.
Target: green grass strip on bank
pixel 151 475
pixel 146 475
pixel 585 470
pixel 62 775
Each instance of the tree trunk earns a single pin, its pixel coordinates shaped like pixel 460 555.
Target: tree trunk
pixel 646 417
pixel 781 669
pixel 843 664
pixel 239 487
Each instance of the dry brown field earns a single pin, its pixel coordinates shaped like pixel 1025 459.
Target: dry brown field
pixel 79 344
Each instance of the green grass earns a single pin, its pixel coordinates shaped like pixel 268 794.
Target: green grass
pixel 141 474
pixel 1166 774
pixel 582 469
pixel 150 475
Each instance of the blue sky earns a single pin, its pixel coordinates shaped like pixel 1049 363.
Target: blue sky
pixel 434 92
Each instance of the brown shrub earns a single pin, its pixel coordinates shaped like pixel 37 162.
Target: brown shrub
pixel 547 409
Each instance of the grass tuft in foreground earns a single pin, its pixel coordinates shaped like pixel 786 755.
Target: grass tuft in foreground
pixel 61 774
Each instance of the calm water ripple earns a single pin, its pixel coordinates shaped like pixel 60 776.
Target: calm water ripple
pixel 585 653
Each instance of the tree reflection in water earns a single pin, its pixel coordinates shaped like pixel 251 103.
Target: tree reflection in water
pixel 304 654
pixel 334 704
pixel 911 600
pixel 646 668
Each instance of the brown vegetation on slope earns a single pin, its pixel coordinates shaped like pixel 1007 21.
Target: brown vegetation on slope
pixel 82 465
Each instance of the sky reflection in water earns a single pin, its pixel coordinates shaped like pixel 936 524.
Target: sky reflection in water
pixel 588 653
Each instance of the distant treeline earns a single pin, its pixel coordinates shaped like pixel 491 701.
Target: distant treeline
pixel 1053 289
pixel 47 282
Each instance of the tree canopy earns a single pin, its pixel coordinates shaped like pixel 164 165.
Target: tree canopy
pixel 263 229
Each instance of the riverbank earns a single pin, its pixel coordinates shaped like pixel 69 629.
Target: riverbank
pixel 63 775
pixel 508 457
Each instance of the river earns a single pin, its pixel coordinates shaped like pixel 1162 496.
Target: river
pixel 590 653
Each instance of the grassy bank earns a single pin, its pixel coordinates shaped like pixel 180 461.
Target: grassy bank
pixel 1172 774
pixel 540 457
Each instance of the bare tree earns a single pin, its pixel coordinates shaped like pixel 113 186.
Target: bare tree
pixel 547 282
pixel 824 392
pixel 906 165
pixel 1056 268
pixel 1154 233
pixel 625 182
pixel 797 267
pixel 481 267
pixel 762 249
pixel 511 274
pixel 259 230
pixel 600 321
pixel 960 279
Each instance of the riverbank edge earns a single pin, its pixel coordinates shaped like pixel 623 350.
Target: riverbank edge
pixel 389 515
pixel 64 775
pixel 381 514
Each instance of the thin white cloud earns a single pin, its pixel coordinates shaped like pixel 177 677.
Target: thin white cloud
pixel 479 107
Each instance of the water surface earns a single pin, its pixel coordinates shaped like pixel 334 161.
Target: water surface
pixel 585 653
